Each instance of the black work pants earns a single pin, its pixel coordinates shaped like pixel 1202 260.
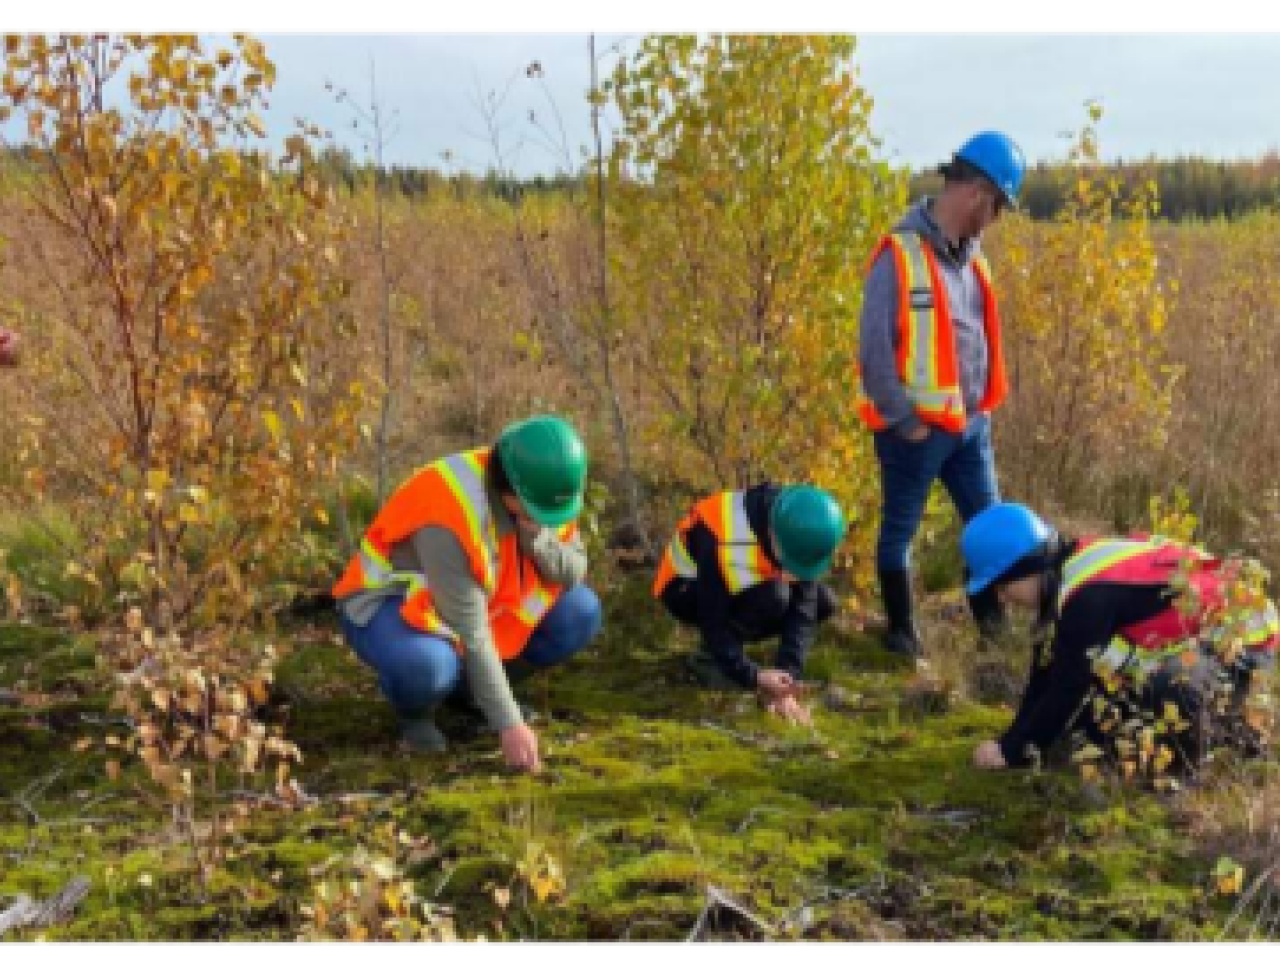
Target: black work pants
pixel 755 613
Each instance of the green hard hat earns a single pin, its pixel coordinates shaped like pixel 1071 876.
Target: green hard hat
pixel 547 465
pixel 807 527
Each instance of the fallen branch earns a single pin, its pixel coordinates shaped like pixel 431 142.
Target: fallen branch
pixel 26 808
pixel 751 816
pixel 800 919
pixel 1248 897
pixel 717 899
pixel 27 912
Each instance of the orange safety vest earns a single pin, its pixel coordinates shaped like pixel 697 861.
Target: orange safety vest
pixel 451 493
pixel 743 562
pixel 927 362
pixel 1153 561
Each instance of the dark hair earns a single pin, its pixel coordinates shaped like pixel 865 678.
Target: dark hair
pixel 1059 550
pixel 961 171
pixel 497 473
pixel 1037 561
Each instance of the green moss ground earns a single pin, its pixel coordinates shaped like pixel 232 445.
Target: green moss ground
pixel 872 825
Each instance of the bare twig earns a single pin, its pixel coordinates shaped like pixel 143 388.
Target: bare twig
pixel 27 912
pixel 717 900
pixel 753 812
pixel 1247 898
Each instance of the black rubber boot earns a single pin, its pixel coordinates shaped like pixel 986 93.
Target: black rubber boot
pixel 901 637
pixel 418 732
pixel 988 615
pixel 462 703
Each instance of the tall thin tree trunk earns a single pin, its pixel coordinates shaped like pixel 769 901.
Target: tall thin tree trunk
pixel 620 430
pixel 384 416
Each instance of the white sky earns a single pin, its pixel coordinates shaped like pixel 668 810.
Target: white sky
pixel 1211 94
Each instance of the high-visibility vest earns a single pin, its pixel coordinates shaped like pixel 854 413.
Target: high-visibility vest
pixel 1141 647
pixel 927 363
pixel 450 493
pixel 742 560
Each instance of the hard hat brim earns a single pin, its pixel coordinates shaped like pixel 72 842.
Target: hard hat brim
pixel 803 571
pixel 977 584
pixel 557 517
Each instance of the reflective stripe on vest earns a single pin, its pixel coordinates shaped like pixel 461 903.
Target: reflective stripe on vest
pixel 922 379
pixel 451 493
pixel 742 560
pixel 743 563
pixel 1098 557
pixel 1133 660
pixel 927 363
pixel 464 474
pixel 678 554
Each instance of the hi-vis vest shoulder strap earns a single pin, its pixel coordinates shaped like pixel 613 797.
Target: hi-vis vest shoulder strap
pixel 451 493
pixel 1141 647
pixel 927 362
pixel 1098 557
pixel 742 560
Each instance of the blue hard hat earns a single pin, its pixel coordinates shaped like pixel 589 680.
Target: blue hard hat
pixel 999 158
pixel 997 538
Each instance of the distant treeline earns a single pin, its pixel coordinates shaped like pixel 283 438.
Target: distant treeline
pixel 1191 188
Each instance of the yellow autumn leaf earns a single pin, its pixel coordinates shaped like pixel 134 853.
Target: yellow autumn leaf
pixel 272 420
pixel 257 688
pixel 1228 876
pixel 545 887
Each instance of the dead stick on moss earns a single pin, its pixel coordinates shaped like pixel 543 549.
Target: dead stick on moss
pixel 1261 913
pixel 89 821
pixel 94 801
pixel 27 912
pixel 753 812
pixel 696 932
pixel 26 808
pixel 829 895
pixel 1247 898
pixel 36 788
pixel 734 734
pixel 717 898
pixel 444 882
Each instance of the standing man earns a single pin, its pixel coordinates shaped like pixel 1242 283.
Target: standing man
pixel 8 348
pixel 931 368
pixel 475 564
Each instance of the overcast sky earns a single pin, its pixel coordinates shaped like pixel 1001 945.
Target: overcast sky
pixel 1215 95
pixel 1166 94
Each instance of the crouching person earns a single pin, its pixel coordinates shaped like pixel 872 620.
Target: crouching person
pixel 475 564
pixel 1129 628
pixel 743 566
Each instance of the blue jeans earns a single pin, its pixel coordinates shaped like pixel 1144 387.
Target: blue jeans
pixel 964 462
pixel 417 670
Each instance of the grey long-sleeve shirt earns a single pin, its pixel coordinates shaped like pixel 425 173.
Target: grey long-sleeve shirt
pixel 878 326
pixel 462 602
